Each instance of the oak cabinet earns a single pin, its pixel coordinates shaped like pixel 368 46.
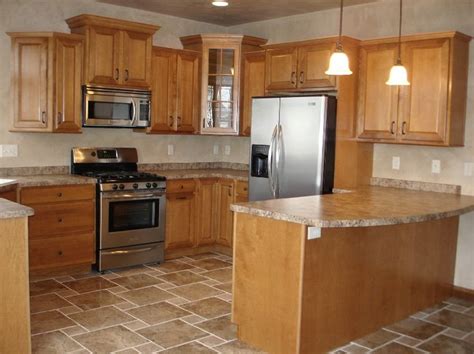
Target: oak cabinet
pixel 241 192
pixel 207 211
pixel 281 66
pixel 226 198
pixel 175 91
pixel 46 82
pixel 117 52
pixel 432 109
pixel 253 85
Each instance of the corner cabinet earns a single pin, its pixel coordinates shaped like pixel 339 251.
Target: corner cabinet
pixel 46 82
pixel 117 52
pixel 432 109
pixel 220 79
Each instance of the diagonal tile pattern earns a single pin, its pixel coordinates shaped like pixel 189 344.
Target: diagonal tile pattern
pixel 183 306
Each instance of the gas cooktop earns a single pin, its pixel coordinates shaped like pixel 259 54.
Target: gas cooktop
pixel 123 176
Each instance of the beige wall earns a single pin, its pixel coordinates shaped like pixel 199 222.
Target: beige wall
pixel 53 149
pixel 378 20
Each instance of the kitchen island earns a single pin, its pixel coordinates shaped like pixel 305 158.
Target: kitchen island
pixel 313 273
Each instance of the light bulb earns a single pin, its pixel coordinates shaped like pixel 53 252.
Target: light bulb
pixel 339 64
pixel 220 3
pixel 398 76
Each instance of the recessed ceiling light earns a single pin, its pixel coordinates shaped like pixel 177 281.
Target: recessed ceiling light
pixel 220 3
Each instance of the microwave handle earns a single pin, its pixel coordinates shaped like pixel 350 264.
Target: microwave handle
pixel 134 112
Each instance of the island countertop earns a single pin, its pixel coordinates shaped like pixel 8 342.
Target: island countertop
pixel 367 206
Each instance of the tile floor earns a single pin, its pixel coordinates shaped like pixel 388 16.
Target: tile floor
pixel 183 306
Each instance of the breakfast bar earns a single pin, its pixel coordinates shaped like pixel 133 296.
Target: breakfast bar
pixel 313 273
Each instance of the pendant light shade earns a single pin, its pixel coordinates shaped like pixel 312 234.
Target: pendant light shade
pixel 339 61
pixel 220 3
pixel 398 73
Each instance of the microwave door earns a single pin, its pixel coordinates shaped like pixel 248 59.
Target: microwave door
pixel 106 110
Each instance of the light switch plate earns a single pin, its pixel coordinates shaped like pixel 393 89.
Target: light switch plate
pixel 170 149
pixel 395 162
pixel 436 166
pixel 314 232
pixel 215 150
pixel 227 150
pixel 9 150
pixel 468 169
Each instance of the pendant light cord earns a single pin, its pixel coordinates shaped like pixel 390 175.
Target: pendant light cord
pixel 399 59
pixel 339 44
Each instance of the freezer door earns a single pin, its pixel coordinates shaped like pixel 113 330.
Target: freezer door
pixel 265 117
pixel 301 146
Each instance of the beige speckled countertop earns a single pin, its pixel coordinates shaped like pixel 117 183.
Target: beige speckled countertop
pixel 203 173
pixel 9 210
pixel 50 180
pixel 368 206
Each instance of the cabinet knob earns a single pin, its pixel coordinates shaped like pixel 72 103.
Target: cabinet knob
pixel 60 194
pixel 392 128
pixel 182 187
pixel 117 74
pixel 60 253
pixel 404 128
pixel 126 74
pixel 60 219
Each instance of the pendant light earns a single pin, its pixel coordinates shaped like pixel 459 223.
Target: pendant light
pixel 398 73
pixel 220 3
pixel 339 61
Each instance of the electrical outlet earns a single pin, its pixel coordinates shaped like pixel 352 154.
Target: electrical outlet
pixel 395 162
pixel 227 150
pixel 8 150
pixel 215 150
pixel 170 149
pixel 468 169
pixel 436 166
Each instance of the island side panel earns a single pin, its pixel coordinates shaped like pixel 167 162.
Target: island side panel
pixel 357 280
pixel 268 260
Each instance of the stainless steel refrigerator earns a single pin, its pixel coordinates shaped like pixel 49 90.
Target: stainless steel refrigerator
pixel 292 146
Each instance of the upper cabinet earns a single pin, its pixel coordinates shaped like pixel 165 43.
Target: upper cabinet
pixel 220 79
pixel 432 109
pixel 46 82
pixel 117 52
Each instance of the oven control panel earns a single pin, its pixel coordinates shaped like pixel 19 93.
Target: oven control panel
pixel 159 186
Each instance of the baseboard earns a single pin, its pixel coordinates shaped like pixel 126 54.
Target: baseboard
pixel 463 293
pixel 40 274
pixel 171 254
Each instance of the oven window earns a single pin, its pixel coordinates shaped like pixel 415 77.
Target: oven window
pixel 110 110
pixel 132 215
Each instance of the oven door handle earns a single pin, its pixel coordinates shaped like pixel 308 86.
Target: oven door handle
pixel 120 252
pixel 133 196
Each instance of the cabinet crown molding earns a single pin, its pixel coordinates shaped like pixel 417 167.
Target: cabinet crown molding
pixel 201 38
pixel 93 20
pixel 418 37
pixel 346 41
pixel 44 35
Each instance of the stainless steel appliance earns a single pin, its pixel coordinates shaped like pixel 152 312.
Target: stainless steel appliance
pixel 131 206
pixel 116 108
pixel 292 146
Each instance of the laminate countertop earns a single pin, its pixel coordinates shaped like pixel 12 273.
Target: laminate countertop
pixel 367 206
pixel 50 180
pixel 240 175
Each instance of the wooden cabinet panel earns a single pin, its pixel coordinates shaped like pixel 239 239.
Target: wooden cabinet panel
pixel 188 92
pixel 423 105
pixel 226 197
pixel 180 186
pixel 136 66
pixel 280 68
pixel 377 107
pixel 207 212
pixel 68 100
pixel 9 195
pixel 37 195
pixel 180 220
pixel 312 64
pixel 253 84
pixel 104 56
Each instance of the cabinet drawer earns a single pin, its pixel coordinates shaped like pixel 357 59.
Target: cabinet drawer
pixel 242 188
pixel 61 218
pixel 60 251
pixel 36 195
pixel 180 186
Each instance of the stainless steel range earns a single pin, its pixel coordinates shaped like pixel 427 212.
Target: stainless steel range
pixel 130 206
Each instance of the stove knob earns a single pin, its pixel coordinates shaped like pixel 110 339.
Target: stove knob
pixel 121 186
pixel 114 187
pixel 155 185
pixel 148 185
pixel 135 185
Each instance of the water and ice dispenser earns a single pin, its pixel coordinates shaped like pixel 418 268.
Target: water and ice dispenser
pixel 259 161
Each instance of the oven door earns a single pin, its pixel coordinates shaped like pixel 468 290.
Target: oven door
pixel 131 218
pixel 114 110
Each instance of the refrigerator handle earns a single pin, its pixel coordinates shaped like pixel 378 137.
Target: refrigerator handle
pixel 270 161
pixel 279 144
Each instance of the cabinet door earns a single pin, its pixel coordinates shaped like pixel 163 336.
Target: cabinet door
pixel 253 84
pixel 377 106
pixel 280 69
pixel 312 63
pixel 163 91
pixel 103 61
pixel 68 114
pixel 180 220
pixel 31 100
pixel 226 197
pixel 423 105
pixel 207 212
pixel 136 67
pixel 188 93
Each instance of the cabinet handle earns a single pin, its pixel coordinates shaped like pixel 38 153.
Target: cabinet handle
pixel 60 219
pixel 117 74
pixel 43 117
pixel 182 198
pixel 60 253
pixel 293 77
pixel 404 128
pixel 171 121
pixel 60 195
pixel 60 117
pixel 302 77
pixel 392 128
pixel 126 74
pixel 179 122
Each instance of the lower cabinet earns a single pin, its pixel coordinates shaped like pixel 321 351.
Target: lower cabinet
pixel 226 198
pixel 9 194
pixel 207 211
pixel 62 231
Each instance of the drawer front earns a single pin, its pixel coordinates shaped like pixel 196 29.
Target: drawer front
pixel 242 188
pixel 37 195
pixel 10 195
pixel 61 251
pixel 180 186
pixel 62 218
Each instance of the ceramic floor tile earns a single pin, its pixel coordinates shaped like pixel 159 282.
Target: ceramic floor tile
pixel 146 296
pixel 74 331
pixel 53 342
pixel 148 348
pixel 396 348
pixel 470 312
pixel 182 278
pixel 188 348
pixel 198 257
pixel 109 339
pixel 128 351
pixel 355 349
pixel 196 291
pixel 47 302
pixel 415 328
pixel 49 321
pixel 221 327
pixel 237 347
pixel 95 299
pixel 211 264
pixel 45 287
pixel 125 272
pixel 100 318
pixel 412 342
pixel 208 308
pixel 172 333
pixel 157 313
pixel 171 267
pixel 136 325
pixel 444 344
pixel 137 281
pixel 70 309
pixel 193 319
pixel 470 338
pixel 460 302
pixel 453 319
pixel 454 333
pixel 211 341
pixel 227 287
pixel 221 275
pixel 377 339
pixel 89 284
pixel 435 308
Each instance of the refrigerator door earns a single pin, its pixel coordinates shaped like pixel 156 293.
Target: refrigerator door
pixel 262 172
pixel 301 146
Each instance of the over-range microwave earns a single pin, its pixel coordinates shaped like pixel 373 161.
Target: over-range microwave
pixel 115 108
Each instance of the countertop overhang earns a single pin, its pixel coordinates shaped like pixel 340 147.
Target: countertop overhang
pixel 367 206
